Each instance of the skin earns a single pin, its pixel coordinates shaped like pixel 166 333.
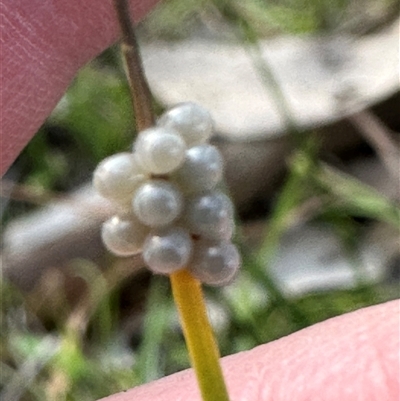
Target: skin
pixel 348 358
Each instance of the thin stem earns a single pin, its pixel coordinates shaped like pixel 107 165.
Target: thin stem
pixel 248 38
pixel 139 88
pixel 200 341
pixel 380 138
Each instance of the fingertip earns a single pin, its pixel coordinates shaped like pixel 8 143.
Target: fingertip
pixel 43 45
pixel 347 358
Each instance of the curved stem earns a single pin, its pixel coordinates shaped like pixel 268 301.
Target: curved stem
pixel 200 341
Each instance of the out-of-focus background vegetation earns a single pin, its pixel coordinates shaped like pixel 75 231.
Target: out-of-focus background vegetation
pixel 318 239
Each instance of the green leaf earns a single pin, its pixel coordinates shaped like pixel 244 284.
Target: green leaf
pixel 357 198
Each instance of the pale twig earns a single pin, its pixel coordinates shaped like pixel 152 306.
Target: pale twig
pixel 380 138
pixel 27 193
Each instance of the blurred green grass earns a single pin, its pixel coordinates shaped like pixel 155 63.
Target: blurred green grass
pixel 84 354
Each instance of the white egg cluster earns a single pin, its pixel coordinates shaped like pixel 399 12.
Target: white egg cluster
pixel 171 209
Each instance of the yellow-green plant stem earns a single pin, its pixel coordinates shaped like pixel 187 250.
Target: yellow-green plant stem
pixel 200 341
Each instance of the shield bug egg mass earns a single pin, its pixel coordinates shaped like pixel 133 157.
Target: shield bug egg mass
pixel 171 208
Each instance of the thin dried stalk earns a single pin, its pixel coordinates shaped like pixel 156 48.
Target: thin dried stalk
pixel 139 88
pixel 380 138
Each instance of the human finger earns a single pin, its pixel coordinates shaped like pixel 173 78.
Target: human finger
pixel 43 45
pixel 347 358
